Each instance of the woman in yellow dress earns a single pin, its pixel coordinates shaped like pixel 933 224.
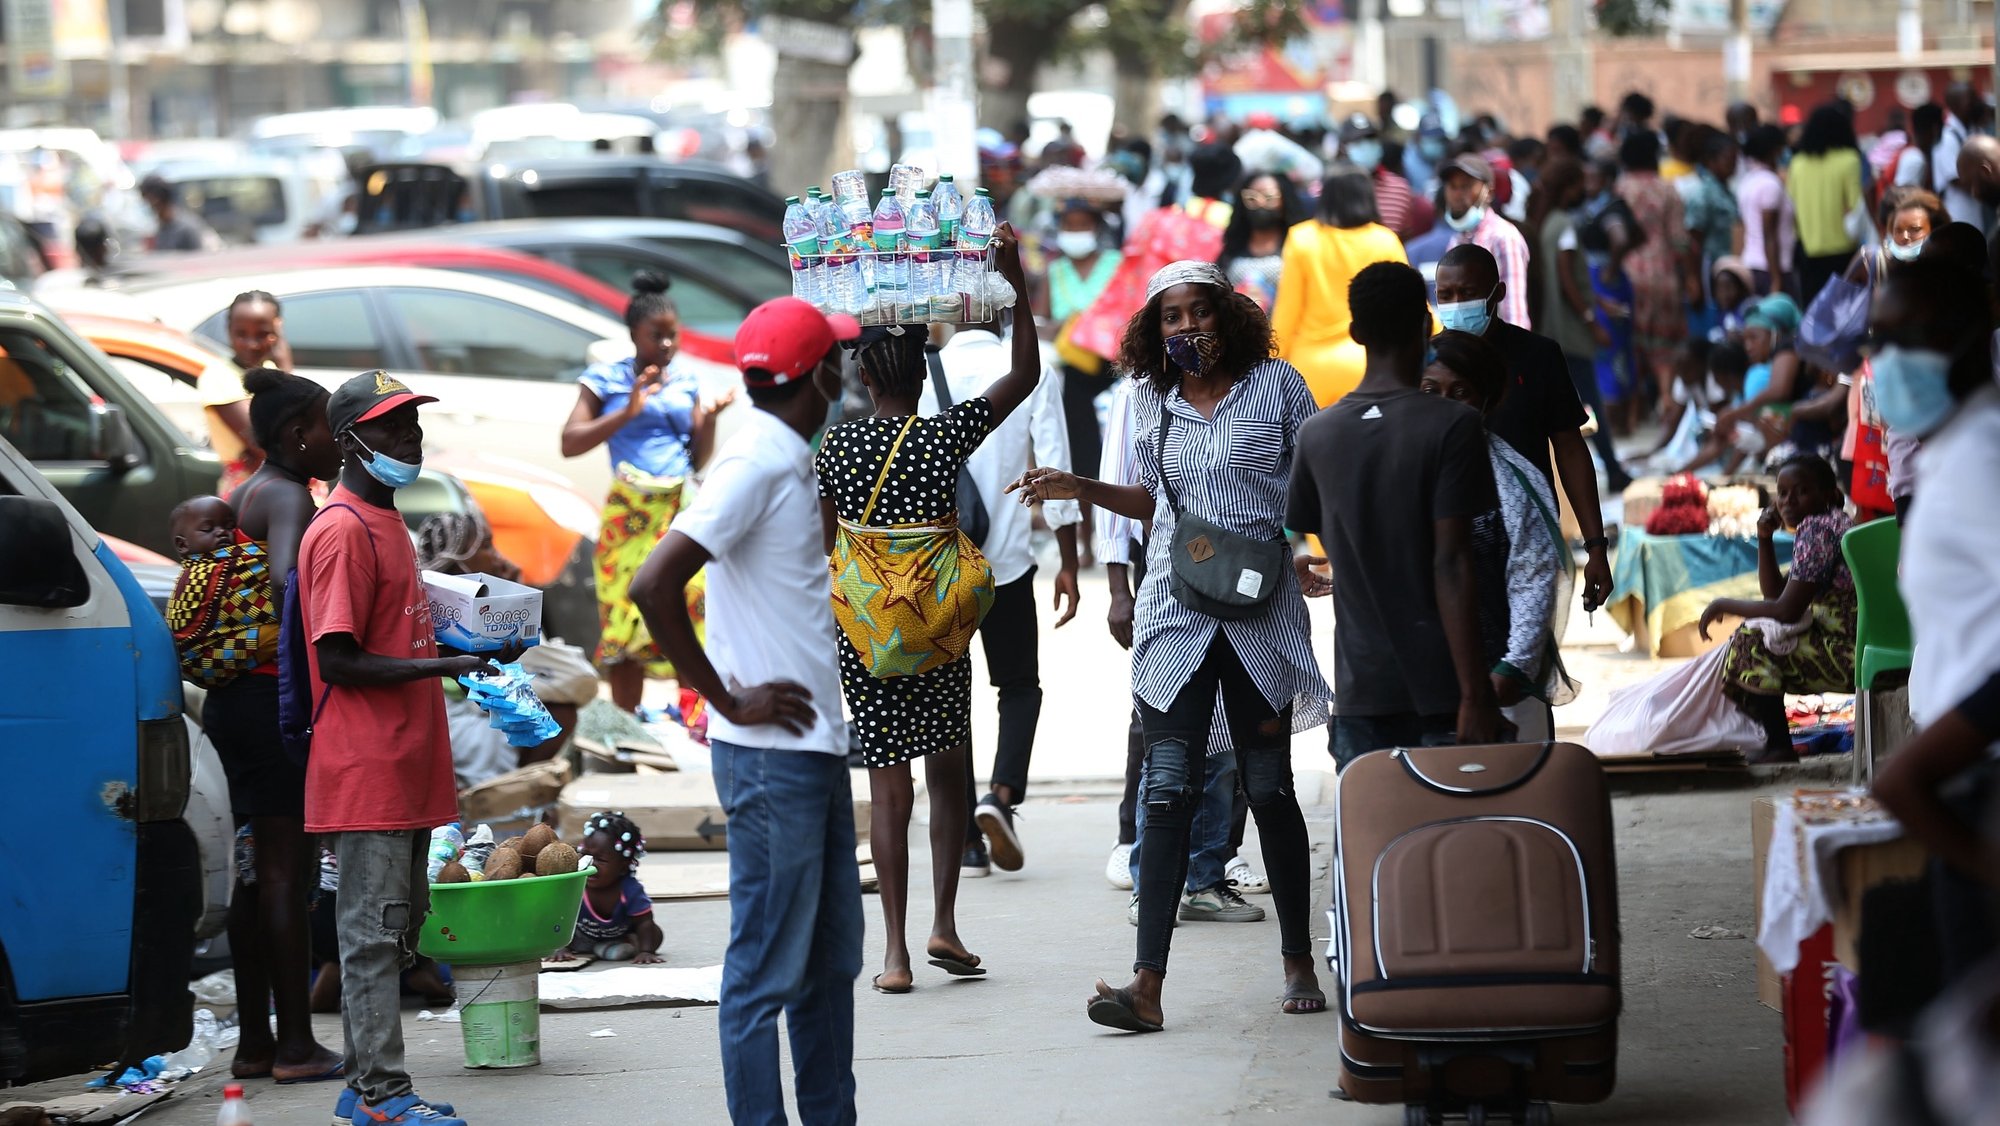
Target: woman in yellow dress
pixel 1322 255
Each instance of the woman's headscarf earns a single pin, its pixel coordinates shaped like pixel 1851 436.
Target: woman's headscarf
pixel 1733 266
pixel 1778 312
pixel 1183 272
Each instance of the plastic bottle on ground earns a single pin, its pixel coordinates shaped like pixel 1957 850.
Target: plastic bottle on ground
pixel 234 1112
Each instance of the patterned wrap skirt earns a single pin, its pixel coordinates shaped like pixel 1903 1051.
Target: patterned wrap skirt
pixel 635 521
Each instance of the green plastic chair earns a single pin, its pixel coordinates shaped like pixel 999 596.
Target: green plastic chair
pixel 1882 642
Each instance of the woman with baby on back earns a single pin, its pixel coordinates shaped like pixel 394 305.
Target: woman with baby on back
pixel 888 487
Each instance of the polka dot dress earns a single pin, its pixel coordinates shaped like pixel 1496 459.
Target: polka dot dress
pixel 903 717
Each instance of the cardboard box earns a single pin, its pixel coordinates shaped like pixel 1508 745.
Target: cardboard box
pixel 676 811
pixel 1861 868
pixel 481 613
pixel 496 801
pixel 1763 812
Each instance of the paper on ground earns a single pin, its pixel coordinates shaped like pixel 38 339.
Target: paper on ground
pixel 632 985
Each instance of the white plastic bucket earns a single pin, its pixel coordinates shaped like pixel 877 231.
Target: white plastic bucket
pixel 500 1014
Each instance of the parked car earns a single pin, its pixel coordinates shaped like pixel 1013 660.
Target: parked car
pixel 397 197
pixel 258 200
pixel 94 958
pixel 502 359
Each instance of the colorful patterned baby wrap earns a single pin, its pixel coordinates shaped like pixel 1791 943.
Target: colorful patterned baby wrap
pixel 221 612
pixel 909 596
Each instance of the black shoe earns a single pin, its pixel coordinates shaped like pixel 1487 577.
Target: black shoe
pixel 997 822
pixel 973 864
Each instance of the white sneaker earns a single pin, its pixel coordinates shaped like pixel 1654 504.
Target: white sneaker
pixel 1118 869
pixel 1245 879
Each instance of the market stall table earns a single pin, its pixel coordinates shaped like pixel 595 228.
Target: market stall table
pixel 1661 584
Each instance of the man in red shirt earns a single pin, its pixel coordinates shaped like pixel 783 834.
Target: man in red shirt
pixel 380 777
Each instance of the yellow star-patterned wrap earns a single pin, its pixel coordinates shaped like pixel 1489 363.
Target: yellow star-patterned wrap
pixel 909 597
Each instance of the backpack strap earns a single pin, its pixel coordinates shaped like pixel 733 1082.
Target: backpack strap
pixel 376 554
pixel 938 383
pixel 879 477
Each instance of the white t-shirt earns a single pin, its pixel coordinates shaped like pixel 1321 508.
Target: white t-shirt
pixel 1035 434
pixel 770 609
pixel 1910 169
pixel 1944 175
pixel 1757 191
pixel 1951 559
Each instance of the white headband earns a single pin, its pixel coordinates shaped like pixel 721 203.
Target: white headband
pixel 1183 272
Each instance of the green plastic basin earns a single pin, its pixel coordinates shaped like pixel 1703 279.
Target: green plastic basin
pixel 501 922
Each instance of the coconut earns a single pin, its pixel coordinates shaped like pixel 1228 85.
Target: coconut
pixel 556 860
pixel 504 864
pixel 538 838
pixel 454 873
pixel 512 844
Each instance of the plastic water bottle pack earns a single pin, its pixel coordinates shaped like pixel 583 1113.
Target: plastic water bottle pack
pixel 919 255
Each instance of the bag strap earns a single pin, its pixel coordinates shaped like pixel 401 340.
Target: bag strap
pixel 938 384
pixel 886 463
pixel 376 554
pixel 1160 459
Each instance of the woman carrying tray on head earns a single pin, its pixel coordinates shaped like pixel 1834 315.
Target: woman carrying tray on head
pixel 1231 414
pixel 892 478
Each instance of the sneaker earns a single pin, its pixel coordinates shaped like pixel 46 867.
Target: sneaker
pixel 1132 913
pixel 441 1114
pixel 997 822
pixel 973 864
pixel 1245 879
pixel 1219 904
pixel 1118 869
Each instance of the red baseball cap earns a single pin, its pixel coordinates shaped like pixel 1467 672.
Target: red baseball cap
pixel 371 394
pixel 788 338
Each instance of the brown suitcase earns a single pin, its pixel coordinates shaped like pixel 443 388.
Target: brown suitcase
pixel 1475 930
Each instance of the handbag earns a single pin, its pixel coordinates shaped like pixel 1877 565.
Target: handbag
pixel 908 597
pixel 972 518
pixel 1835 324
pixel 1213 570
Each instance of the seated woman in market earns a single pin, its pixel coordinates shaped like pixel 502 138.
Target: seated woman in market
pixel 1800 638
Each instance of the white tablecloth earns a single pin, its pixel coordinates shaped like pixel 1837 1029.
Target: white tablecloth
pixel 1801 883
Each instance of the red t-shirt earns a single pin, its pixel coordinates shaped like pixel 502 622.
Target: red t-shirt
pixel 381 756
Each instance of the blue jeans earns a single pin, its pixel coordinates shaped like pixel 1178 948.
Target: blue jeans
pixel 1209 849
pixel 1356 735
pixel 794 932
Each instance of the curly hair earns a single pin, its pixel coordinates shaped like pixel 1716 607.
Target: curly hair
pixel 1245 331
pixel 1476 361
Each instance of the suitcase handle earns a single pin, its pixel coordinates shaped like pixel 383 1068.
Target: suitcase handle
pixel 1464 784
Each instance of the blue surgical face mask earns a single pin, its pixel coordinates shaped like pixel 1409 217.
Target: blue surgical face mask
pixel 1465 316
pixel 1909 253
pixel 1366 153
pixel 1467 221
pixel 1432 148
pixel 1913 389
pixel 386 469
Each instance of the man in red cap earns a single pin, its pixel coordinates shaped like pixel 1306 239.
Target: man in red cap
pixel 379 779
pixel 771 676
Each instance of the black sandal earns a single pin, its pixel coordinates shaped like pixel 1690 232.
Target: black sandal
pixel 1117 1010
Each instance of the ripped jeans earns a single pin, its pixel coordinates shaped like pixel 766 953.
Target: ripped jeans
pixel 1177 765
pixel 380 911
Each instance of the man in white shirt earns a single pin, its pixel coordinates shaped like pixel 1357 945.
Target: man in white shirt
pixel 1960 203
pixel 1039 435
pixel 771 676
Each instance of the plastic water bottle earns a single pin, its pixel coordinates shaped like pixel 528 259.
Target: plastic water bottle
pixel 845 290
pixel 446 841
pixel 234 1112
pixel 975 234
pixel 802 242
pixel 892 264
pixel 925 256
pixel 950 206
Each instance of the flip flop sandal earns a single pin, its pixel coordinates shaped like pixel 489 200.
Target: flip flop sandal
pixel 880 988
pixel 337 1071
pixel 1115 1010
pixel 1295 996
pixel 957 968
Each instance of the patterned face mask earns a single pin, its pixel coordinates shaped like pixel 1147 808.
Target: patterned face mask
pixel 1194 352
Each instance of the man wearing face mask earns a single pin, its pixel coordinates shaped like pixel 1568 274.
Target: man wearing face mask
pixel 1421 160
pixel 1541 409
pixel 1401 210
pixel 380 774
pixel 1468 200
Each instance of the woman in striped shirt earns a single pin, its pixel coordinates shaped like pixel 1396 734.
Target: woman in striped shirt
pixel 1231 411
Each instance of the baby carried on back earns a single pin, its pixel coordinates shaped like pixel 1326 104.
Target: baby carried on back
pixel 221 612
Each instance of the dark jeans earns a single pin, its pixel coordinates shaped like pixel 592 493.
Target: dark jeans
pixel 1013 665
pixel 1128 805
pixel 1177 768
pixel 1079 400
pixel 1356 735
pixel 1583 374
pixel 794 932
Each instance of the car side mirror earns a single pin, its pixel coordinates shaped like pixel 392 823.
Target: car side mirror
pixel 112 438
pixel 38 564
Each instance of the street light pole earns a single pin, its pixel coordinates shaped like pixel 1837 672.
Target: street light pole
pixel 116 84
pixel 1736 53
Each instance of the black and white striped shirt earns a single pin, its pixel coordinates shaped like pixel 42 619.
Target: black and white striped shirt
pixel 1233 469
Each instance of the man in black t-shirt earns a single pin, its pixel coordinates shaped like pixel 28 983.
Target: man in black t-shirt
pixel 1390 479
pixel 1540 408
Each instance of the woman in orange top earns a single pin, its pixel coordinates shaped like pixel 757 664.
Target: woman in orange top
pixel 1322 255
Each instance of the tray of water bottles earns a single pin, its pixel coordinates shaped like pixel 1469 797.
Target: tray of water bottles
pixel 921 255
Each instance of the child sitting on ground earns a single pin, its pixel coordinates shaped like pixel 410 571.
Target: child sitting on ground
pixel 615 922
pixel 221 614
